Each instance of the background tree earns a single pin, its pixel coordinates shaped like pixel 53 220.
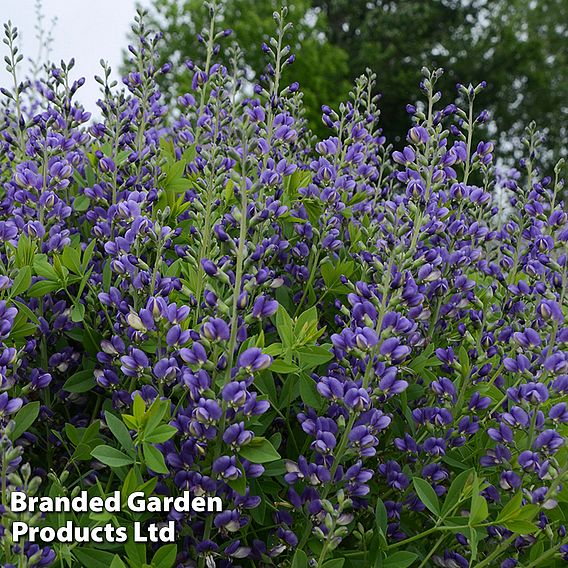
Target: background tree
pixel 517 46
pixel 321 69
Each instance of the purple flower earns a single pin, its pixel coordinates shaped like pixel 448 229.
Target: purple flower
pixel 216 330
pixel 209 267
pixel 528 460
pixel 435 446
pixel 236 435
pixel 405 157
pixel 550 310
pixel 444 388
pixel 264 307
pixel 254 360
pixel 548 441
pixel 559 412
pixel 9 406
pixel 134 364
pixel 226 467
pixel 195 355
pixel 357 399
pixel 390 385
pixel 535 393
pixel 510 480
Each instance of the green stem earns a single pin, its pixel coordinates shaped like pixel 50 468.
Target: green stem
pixel 325 548
pixel 532 428
pixel 204 249
pixel 418 536
pixel 469 137
pixel 538 562
pixel 432 550
pixel 155 268
pixel 309 282
pixel 239 268
pixel 234 322
pixel 210 48
pixel 503 546
pixel 17 98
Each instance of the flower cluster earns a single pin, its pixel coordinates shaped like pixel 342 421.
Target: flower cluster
pixel 362 351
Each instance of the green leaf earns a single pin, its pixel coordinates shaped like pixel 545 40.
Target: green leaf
pixel 22 308
pixel 43 268
pixel 306 319
pixel 426 494
pixel 309 392
pixel 300 559
pixel 165 556
pixel 73 433
pixel 22 281
pixel 81 203
pixel 260 450
pixel 313 356
pixel 78 312
pixel 334 563
pixel 275 469
pixel 154 459
pixel 92 558
pixel 229 191
pixel 107 276
pixel 332 273
pixel 400 559
pixel 117 562
pixel 82 381
pixel 479 510
pixel 239 484
pixel 265 383
pixel 119 431
pixel 72 259
pixel 292 183
pixel 424 361
pixel 456 490
pixel 285 326
pixel 282 367
pixel 528 512
pixel 88 255
pixel 473 538
pixel 25 252
pixel 511 509
pixel 189 153
pixel 138 408
pixel 42 288
pixel 161 434
pixel 464 361
pixel 451 461
pixel 274 349
pixel 155 415
pixel 381 517
pixel 167 147
pixel 25 417
pixel 136 552
pixel 520 527
pixel 111 456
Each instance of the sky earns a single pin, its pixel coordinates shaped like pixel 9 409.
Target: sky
pixel 88 30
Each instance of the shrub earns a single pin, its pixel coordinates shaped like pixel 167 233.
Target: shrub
pixel 361 351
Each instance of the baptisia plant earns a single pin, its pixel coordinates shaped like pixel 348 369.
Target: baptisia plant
pixel 361 350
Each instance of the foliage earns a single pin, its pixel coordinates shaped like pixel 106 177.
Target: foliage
pixel 362 352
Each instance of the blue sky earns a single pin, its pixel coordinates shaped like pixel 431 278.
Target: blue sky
pixel 88 30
